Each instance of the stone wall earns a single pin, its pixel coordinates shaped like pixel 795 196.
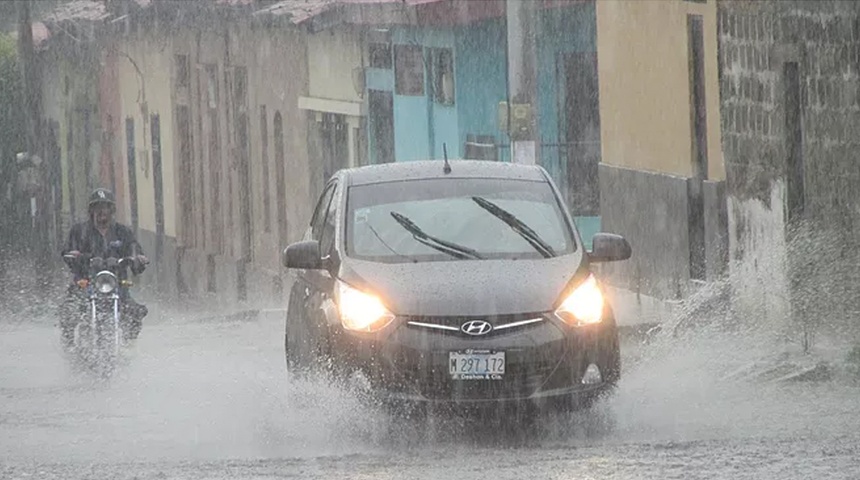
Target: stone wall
pixel 757 41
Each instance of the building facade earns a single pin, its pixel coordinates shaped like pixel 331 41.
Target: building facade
pixel 433 79
pixel 218 123
pixel 191 114
pixel 627 113
pixel 662 171
pixel 790 109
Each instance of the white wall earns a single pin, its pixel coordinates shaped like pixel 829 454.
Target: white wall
pixel 758 258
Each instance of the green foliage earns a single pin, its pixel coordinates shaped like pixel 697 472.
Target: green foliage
pixel 12 133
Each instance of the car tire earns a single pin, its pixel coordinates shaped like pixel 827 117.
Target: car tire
pixel 294 330
pixel 612 344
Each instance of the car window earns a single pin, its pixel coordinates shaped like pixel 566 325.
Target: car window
pixel 320 212
pixel 451 211
pixel 328 226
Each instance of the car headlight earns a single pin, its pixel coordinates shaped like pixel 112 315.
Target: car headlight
pixel 361 311
pixel 105 282
pixel 583 306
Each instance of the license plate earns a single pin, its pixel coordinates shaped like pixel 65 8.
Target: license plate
pixel 476 365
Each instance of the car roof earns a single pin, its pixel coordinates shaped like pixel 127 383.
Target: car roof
pixel 426 169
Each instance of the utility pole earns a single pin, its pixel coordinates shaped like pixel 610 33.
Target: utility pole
pixel 522 80
pixel 39 209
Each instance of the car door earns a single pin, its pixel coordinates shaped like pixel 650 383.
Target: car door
pixel 319 284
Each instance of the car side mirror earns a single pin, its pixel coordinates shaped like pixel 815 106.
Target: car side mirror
pixel 608 247
pixel 303 255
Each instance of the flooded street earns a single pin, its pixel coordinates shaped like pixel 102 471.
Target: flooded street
pixel 206 399
pixel 466 200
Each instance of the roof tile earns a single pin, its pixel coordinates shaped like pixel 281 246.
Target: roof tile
pixel 302 10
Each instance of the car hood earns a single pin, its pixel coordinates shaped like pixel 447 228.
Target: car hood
pixel 465 287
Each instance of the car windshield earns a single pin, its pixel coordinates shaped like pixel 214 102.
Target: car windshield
pixel 449 219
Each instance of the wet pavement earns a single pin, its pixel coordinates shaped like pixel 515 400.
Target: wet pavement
pixel 202 399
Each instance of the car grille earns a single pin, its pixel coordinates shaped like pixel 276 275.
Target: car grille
pixel 451 324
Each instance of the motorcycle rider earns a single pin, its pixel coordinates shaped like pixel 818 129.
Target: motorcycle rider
pixel 100 236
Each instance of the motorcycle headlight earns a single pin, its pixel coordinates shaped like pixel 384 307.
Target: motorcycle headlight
pixel 105 282
pixel 361 311
pixel 583 306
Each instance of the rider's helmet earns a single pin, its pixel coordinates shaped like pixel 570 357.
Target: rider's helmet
pixel 101 196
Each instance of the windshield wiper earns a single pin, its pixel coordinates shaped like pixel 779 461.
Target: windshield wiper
pixel 517 225
pixel 443 246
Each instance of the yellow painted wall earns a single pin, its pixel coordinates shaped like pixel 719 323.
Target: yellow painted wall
pixel 277 76
pixel 643 60
pixel 144 76
pixel 332 56
pixel 275 60
pixel 54 108
pixel 61 105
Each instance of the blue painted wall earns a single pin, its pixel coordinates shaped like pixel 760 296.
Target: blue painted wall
pixel 480 69
pixel 442 121
pixel 563 30
pixel 481 79
pixel 421 125
pixel 382 80
pixel 411 128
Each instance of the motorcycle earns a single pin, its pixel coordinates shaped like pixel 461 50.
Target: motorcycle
pixel 98 338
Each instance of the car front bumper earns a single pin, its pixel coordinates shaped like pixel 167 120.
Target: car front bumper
pixel 545 361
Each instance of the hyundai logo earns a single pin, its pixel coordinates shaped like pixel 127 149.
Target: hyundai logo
pixel 476 327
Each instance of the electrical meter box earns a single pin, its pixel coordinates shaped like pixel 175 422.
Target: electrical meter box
pixel 521 119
